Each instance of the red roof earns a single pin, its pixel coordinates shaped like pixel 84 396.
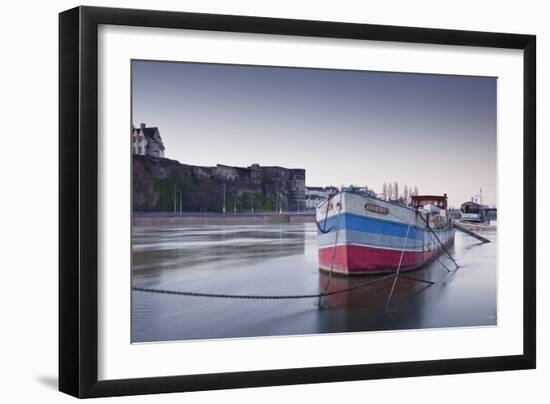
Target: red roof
pixel 434 197
pixel 419 201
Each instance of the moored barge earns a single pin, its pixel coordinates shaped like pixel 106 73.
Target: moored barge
pixel 359 233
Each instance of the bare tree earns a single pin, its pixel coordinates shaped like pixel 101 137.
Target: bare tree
pixel 415 190
pixel 406 193
pixel 385 191
pixel 396 190
pixel 390 192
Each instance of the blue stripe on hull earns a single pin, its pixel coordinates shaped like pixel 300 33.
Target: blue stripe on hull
pixel 372 232
pixel 350 221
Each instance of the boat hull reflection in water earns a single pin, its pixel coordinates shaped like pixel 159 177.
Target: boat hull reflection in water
pixel 283 260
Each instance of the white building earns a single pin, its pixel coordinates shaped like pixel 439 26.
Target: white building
pixel 316 195
pixel 147 141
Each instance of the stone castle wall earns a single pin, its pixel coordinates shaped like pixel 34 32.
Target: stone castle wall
pixel 253 188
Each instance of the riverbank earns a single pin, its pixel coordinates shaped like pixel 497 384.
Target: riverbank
pixel 220 219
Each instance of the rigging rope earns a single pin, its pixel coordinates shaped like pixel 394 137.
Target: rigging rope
pixel 431 232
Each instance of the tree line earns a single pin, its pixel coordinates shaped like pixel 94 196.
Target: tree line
pixel 391 192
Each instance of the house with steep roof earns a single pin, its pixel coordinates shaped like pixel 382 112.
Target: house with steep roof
pixel 146 141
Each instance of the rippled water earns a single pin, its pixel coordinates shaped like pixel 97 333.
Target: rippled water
pixel 282 259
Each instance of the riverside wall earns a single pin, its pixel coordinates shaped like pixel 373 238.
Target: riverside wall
pixel 224 220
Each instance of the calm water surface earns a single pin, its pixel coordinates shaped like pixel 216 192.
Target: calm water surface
pixel 282 259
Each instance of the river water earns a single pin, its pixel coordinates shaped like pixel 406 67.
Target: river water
pixel 282 260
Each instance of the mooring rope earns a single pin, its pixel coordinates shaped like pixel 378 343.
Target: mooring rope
pixel 260 297
pixel 398 267
pixel 339 207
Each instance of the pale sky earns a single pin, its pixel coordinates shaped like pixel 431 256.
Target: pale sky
pixel 343 127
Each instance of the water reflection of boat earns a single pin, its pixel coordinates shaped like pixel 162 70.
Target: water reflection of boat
pixel 373 296
pixel 362 234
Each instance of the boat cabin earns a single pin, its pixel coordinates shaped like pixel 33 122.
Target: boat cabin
pixel 418 201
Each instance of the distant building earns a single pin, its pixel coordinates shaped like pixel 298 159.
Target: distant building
pixel 315 195
pixel 231 174
pixel 473 211
pixel 281 189
pixel 147 141
pixel 297 189
pixel 288 184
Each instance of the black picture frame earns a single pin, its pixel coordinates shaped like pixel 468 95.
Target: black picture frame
pixel 78 201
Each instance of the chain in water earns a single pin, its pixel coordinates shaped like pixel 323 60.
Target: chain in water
pixel 260 297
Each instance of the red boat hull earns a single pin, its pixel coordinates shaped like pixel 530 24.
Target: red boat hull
pixel 351 259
